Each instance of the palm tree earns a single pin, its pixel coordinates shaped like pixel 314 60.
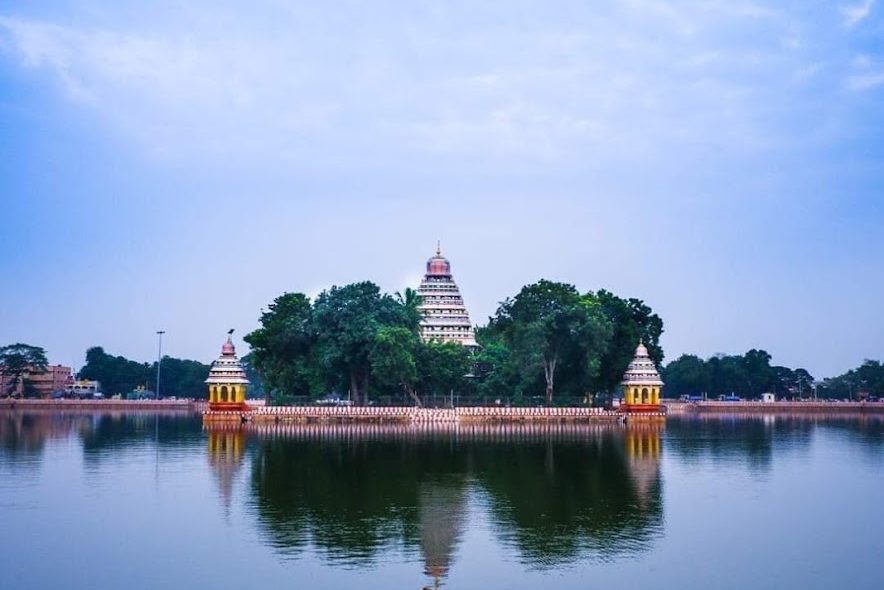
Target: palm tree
pixel 411 301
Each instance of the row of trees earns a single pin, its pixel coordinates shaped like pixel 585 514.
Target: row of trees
pixel 748 375
pixel 119 375
pixel 868 378
pixel 352 338
pixel 751 374
pixel 548 339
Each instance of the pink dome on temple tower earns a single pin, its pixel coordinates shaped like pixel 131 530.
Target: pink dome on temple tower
pixel 228 349
pixel 438 265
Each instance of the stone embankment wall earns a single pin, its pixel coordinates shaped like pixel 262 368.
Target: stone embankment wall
pixel 474 431
pixel 747 407
pixel 95 405
pixel 405 415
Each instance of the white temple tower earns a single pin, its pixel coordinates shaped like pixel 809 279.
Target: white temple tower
pixel 445 318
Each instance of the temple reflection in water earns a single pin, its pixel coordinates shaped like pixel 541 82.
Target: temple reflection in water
pixel 555 493
pixel 226 446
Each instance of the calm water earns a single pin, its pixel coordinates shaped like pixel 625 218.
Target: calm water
pixel 145 501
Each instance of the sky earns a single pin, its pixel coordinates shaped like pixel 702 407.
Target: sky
pixel 178 165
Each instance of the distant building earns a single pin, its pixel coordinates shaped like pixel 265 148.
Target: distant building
pixel 768 398
pixel 227 380
pixel 141 393
pixel 43 383
pixel 641 383
pixel 445 318
pixel 84 388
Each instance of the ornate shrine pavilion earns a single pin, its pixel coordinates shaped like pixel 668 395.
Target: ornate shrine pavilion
pixel 445 318
pixel 227 381
pixel 641 383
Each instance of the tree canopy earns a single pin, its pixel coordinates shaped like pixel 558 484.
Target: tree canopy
pixel 549 337
pixel 119 375
pixel 748 375
pixel 17 362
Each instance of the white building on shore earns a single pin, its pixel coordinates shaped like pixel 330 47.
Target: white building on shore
pixel 445 318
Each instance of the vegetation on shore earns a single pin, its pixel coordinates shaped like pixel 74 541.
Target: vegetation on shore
pixel 752 374
pixel 548 342
pixel 547 339
pixel 17 363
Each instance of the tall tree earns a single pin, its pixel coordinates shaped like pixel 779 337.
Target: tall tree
pixel 394 359
pixel 686 375
pixel 18 361
pixel 283 347
pixel 442 367
pixel 346 321
pixel 547 319
pixel 631 321
pixel 410 302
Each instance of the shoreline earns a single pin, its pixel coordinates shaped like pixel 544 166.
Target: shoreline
pixel 746 407
pixel 460 415
pixel 87 405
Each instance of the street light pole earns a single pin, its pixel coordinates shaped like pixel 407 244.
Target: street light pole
pixel 159 360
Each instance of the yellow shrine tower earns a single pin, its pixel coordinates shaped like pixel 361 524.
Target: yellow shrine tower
pixel 227 381
pixel 641 384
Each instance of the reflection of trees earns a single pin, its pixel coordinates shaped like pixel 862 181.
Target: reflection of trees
pixel 349 497
pixel 747 438
pixel 115 431
pixel 556 493
pixel 23 435
pixel 556 501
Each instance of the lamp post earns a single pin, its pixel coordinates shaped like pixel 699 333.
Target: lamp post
pixel 159 360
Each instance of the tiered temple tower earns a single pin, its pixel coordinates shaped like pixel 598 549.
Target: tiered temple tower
pixel 445 318
pixel 641 383
pixel 227 381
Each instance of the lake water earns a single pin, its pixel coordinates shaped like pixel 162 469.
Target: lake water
pixel 155 501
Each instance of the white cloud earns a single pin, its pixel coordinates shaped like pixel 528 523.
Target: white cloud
pixel 866 81
pixel 856 13
pixel 338 88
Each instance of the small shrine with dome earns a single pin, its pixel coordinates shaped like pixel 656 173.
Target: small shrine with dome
pixel 227 380
pixel 641 383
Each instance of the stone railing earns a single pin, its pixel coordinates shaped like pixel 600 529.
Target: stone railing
pixel 426 415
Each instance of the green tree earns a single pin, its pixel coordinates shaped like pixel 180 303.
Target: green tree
pixel 686 375
pixel 410 302
pixel 393 359
pixel 117 374
pixel 631 321
pixel 442 367
pixel 346 321
pixel 758 373
pixel 282 349
pixel 496 375
pixel 545 321
pixel 17 362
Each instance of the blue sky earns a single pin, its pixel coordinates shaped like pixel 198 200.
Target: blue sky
pixel 178 165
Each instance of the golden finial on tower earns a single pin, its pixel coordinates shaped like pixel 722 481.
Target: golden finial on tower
pixel 438 247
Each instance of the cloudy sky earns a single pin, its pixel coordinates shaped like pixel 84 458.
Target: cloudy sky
pixel 177 165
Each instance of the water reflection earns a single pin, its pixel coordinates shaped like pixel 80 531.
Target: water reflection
pixel 554 493
pixel 752 439
pixel 225 453
pixel 440 503
pixel 24 435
